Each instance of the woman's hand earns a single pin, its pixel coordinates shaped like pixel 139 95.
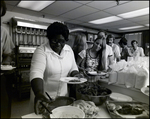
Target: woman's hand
pixel 38 108
pixel 79 75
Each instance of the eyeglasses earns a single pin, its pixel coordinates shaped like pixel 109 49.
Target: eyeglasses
pixel 56 41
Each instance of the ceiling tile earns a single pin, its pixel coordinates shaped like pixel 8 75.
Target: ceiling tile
pixel 127 7
pixel 12 2
pixel 101 5
pixel 30 12
pixel 94 16
pixel 61 18
pixel 126 25
pixel 83 2
pixel 116 23
pixel 74 21
pixel 81 11
pixel 143 22
pixel 9 7
pixel 60 7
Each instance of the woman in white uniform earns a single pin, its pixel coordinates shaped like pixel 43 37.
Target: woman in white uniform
pixel 49 63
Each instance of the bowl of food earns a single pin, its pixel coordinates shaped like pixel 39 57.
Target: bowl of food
pixel 92 91
pixel 67 112
pixel 58 102
pixel 61 101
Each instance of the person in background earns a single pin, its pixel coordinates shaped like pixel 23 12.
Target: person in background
pixel 126 52
pixel 7 44
pixel 136 51
pixel 96 57
pixel 115 47
pixel 79 45
pixel 49 63
pixel 6 58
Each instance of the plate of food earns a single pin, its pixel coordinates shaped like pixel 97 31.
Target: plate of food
pixel 7 67
pixel 127 109
pixel 145 90
pixel 95 73
pixel 73 80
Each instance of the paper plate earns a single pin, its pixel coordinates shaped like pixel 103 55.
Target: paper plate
pixel 97 74
pixel 73 80
pixel 145 90
pixel 120 97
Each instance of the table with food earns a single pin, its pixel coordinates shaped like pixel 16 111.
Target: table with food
pixel 92 101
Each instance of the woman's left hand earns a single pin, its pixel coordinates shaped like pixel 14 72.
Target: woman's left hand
pixel 79 75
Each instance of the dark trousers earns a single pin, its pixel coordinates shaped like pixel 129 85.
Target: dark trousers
pixel 72 90
pixel 5 97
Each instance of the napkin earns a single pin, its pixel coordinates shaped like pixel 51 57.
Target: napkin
pixel 118 66
pixel 142 77
pixel 112 77
pixel 130 77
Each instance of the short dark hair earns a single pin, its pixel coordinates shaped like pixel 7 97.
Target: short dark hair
pixel 57 28
pixel 110 36
pixel 123 40
pixel 4 8
pixel 102 31
pixel 133 42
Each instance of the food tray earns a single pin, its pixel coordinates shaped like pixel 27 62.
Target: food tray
pixel 113 113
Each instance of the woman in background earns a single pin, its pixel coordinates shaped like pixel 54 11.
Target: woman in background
pixel 96 58
pixel 79 45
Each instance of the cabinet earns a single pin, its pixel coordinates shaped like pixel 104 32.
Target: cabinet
pixel 26 39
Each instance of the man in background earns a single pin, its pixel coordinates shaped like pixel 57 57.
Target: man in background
pixel 137 51
pixel 115 47
pixel 6 58
pixel 126 52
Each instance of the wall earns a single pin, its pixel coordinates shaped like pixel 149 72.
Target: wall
pixel 5 19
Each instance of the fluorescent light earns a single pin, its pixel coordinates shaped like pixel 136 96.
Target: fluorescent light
pixel 135 13
pixel 34 5
pixel 24 18
pixel 132 27
pixel 76 29
pixel 105 20
pixel 25 24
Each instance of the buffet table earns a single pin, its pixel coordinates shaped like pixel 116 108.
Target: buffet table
pixel 135 94
pixel 103 113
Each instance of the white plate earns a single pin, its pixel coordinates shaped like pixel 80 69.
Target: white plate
pixel 131 116
pixel 120 97
pixel 145 90
pixel 97 74
pixel 7 67
pixel 67 80
pixel 67 112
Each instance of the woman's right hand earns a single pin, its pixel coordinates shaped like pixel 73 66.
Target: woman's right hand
pixel 38 108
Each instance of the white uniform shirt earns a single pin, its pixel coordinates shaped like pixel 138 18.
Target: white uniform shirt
pixel 138 52
pixel 49 66
pixel 116 51
pixel 6 42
